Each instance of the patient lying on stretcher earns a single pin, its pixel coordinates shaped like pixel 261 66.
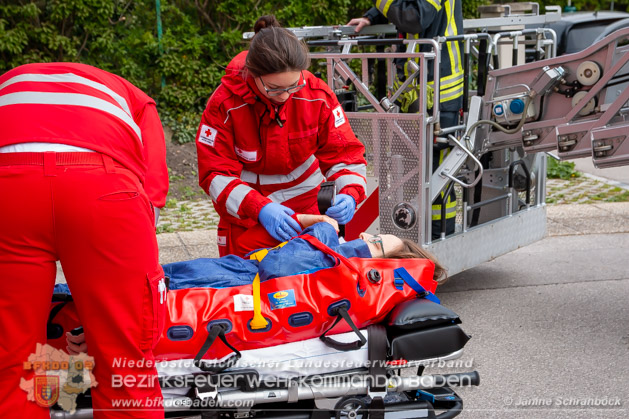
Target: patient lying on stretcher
pixel 295 256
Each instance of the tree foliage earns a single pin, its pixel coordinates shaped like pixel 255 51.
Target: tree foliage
pixel 199 39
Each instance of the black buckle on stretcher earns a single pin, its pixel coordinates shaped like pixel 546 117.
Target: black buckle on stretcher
pixel 216 330
pixel 339 309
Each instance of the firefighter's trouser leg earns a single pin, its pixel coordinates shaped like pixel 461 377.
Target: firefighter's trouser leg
pixel 447 119
pixel 96 219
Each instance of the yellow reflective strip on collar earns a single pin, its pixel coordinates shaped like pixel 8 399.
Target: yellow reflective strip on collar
pixel 383 6
pixel 435 4
pixel 386 8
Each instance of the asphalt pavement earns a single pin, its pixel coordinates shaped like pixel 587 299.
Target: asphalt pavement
pixel 550 321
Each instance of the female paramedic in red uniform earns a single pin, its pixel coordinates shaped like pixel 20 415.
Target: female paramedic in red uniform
pixel 82 165
pixel 270 135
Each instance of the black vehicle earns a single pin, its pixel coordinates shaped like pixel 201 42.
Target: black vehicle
pixel 577 31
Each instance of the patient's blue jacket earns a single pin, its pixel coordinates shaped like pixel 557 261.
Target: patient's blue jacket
pixel 297 256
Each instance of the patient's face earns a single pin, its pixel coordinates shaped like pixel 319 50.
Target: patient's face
pixel 390 243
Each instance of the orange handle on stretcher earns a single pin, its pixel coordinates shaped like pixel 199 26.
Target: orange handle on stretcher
pixel 258 321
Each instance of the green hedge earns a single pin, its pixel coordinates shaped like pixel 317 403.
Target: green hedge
pixel 199 39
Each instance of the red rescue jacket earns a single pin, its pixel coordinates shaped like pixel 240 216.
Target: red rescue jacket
pixel 83 106
pixel 252 151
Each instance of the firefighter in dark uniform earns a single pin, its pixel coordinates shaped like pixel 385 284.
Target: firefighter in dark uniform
pixel 428 19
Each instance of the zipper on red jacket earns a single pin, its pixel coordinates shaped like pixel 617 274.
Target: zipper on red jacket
pixel 277 117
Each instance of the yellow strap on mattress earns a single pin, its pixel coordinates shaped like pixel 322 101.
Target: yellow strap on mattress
pixel 258 321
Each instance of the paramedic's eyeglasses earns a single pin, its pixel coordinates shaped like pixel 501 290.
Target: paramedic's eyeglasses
pixel 377 240
pixel 289 90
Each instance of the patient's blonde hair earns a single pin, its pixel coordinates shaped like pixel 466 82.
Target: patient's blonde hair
pixel 411 250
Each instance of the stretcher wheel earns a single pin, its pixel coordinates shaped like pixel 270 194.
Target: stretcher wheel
pixel 350 408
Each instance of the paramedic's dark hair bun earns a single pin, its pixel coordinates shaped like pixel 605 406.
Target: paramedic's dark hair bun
pixel 266 22
pixel 274 49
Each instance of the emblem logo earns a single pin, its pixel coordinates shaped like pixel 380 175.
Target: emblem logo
pixel 46 390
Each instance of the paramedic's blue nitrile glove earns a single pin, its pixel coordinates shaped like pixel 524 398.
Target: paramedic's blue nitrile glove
pixel 276 219
pixel 343 209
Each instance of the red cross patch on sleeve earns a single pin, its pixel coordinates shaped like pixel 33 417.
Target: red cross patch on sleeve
pixel 207 135
pixel 339 116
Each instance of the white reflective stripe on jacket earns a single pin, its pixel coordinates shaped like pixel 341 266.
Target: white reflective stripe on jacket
pixel 70 99
pixel 122 111
pixel 307 185
pixel 236 195
pixel 251 177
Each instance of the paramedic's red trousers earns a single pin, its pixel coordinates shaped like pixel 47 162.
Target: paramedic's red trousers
pixel 93 216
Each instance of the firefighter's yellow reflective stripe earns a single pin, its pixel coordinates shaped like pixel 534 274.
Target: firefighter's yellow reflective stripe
pixel 449 77
pixel 383 6
pixel 442 154
pixel 450 212
pixel 450 204
pixel 449 81
pixel 451 94
pixel 436 4
pixel 452 91
pixel 450 208
pixel 449 16
pixel 457 45
pixel 453 47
